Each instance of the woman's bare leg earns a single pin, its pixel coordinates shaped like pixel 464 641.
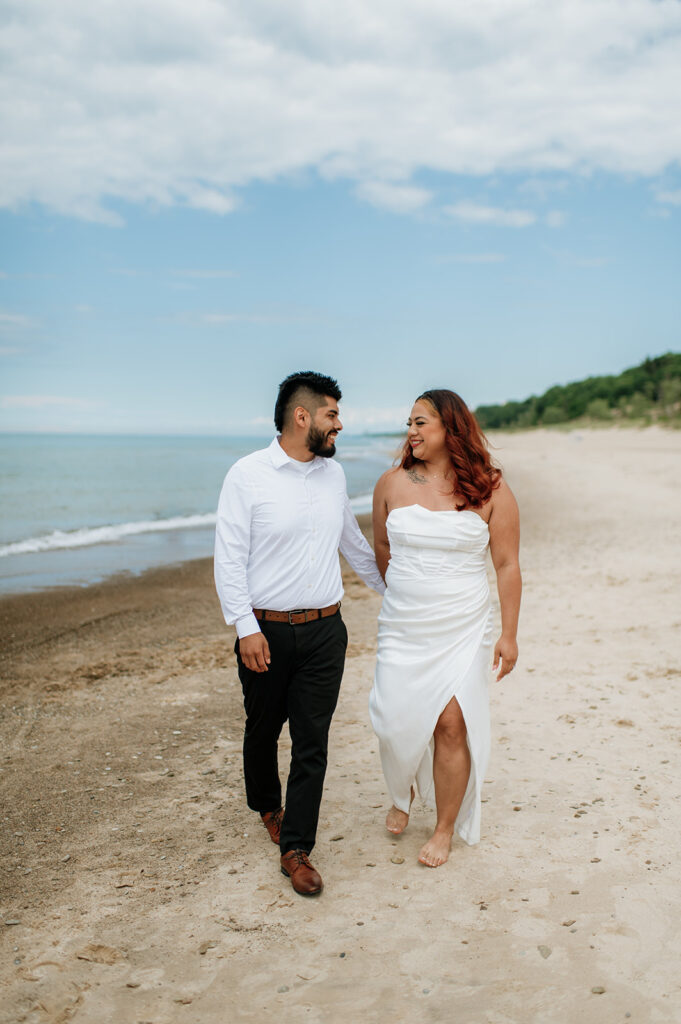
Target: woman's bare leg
pixel 451 768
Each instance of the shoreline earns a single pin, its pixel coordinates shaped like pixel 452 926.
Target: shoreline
pixel 83 565
pixel 135 884
pixel 38 616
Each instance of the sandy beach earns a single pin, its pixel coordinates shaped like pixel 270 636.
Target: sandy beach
pixel 137 886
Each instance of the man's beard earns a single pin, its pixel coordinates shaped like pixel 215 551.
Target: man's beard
pixel 318 443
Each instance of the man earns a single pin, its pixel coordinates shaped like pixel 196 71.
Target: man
pixel 282 517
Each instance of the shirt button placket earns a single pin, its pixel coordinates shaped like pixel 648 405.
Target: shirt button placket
pixel 310 518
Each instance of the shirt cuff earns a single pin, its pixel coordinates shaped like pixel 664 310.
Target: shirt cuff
pixel 247 625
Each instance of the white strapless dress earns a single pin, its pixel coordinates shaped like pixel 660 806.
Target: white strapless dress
pixel 434 643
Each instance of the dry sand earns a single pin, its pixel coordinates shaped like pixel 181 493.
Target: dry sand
pixel 137 886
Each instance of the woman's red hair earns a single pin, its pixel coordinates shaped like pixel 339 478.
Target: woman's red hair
pixel 475 477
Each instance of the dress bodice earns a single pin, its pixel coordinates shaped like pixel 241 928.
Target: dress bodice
pixel 428 543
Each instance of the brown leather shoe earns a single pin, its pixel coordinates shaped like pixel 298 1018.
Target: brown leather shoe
pixel 272 821
pixel 304 879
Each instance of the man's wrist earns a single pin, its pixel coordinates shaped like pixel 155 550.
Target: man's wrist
pixel 246 626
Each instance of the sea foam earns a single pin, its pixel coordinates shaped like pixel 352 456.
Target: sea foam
pixel 87 536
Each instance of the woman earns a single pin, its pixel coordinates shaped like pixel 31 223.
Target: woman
pixel 434 517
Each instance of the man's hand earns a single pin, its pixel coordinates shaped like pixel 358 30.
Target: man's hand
pixel 506 651
pixel 255 652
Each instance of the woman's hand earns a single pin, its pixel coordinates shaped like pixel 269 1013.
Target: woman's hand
pixel 506 651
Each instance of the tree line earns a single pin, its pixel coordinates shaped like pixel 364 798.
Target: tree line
pixel 647 393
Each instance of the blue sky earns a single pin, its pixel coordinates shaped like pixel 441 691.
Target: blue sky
pixel 197 199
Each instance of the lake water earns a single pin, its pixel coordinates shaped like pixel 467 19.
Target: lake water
pixel 76 509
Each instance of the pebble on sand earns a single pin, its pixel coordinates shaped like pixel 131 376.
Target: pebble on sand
pixel 545 951
pixel 598 990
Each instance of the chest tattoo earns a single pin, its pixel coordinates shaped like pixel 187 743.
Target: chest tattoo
pixel 416 477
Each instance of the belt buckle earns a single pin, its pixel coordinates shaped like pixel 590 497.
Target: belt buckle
pixel 300 611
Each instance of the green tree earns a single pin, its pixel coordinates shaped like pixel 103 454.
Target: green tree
pixel 652 388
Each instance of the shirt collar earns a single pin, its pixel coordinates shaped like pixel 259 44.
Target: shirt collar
pixel 279 457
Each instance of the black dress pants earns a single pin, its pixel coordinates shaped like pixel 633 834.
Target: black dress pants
pixel 301 685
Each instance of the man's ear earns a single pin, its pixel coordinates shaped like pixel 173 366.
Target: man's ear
pixel 301 416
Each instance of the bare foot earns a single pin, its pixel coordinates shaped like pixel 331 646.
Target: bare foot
pixel 396 821
pixel 436 850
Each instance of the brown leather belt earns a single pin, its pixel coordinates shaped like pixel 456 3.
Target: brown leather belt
pixel 298 616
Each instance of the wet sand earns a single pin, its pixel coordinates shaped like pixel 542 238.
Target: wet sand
pixel 142 888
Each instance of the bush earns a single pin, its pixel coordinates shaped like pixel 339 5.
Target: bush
pixel 639 407
pixel 527 418
pixel 553 414
pixel 598 409
pixel 670 394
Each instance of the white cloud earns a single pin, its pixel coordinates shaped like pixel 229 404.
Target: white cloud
pixel 15 321
pixel 672 198
pixel 170 103
pixel 473 257
pixel 207 274
pixel 398 198
pixel 387 418
pixel 216 319
pixel 213 319
pixel 555 218
pixel 211 200
pixel 44 401
pixel 473 213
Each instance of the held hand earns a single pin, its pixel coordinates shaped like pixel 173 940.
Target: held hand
pixel 255 652
pixel 506 651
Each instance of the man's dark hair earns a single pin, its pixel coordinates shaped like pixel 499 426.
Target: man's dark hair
pixel 305 388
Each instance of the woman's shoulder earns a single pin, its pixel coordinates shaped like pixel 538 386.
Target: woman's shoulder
pixel 388 479
pixel 502 490
pixel 502 498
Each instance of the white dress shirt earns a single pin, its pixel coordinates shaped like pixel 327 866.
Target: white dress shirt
pixel 280 524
